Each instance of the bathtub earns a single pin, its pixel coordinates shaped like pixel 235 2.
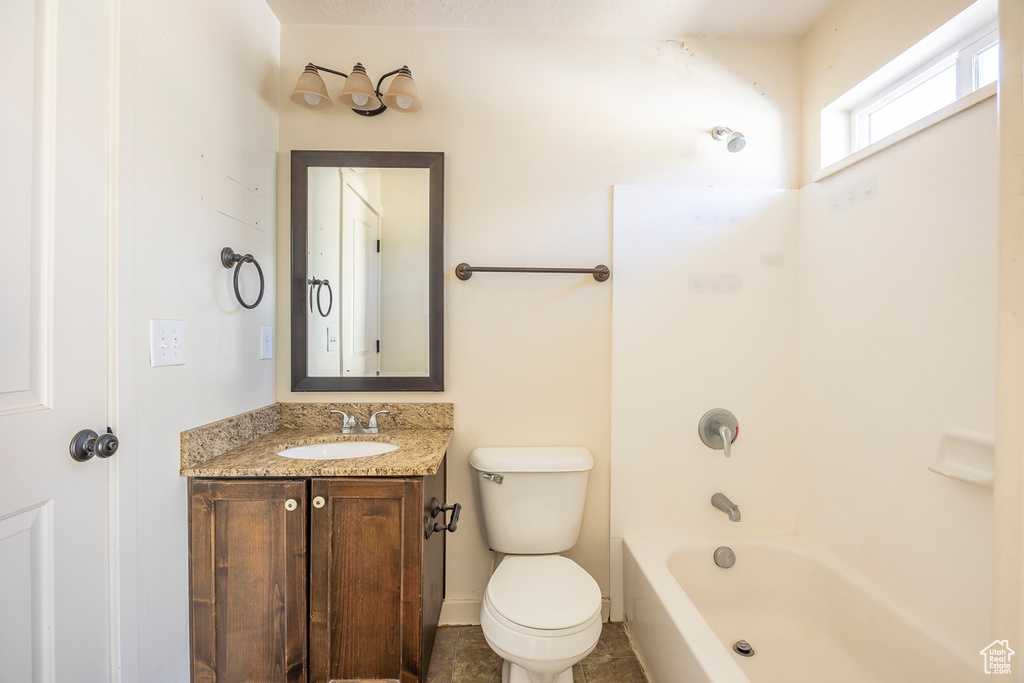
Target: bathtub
pixel 807 618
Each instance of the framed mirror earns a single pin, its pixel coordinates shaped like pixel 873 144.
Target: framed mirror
pixel 366 282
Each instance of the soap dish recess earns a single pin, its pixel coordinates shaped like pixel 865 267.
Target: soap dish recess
pixel 967 457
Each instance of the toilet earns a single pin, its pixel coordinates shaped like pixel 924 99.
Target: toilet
pixel 541 612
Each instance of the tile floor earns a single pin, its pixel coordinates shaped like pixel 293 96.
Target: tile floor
pixel 461 655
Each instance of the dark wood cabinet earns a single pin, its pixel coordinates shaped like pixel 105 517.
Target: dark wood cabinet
pixel 248 583
pixel 355 546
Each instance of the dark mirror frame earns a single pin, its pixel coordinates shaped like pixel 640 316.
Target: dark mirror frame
pixel 301 161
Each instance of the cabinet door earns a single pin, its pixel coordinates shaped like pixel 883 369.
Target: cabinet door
pixel 247 551
pixel 366 581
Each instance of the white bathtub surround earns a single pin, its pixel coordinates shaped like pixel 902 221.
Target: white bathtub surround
pixel 846 365
pixel 897 334
pixel 808 618
pixel 897 349
pixel 679 350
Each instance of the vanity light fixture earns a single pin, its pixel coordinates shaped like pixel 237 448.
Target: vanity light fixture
pixel 359 94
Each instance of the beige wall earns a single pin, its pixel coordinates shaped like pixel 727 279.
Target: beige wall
pixel 405 267
pixel 855 39
pixel 197 158
pixel 536 129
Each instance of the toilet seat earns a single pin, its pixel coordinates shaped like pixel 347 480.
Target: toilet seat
pixel 546 595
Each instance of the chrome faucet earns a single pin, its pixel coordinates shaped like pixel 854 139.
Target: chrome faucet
pixel 350 424
pixel 727 506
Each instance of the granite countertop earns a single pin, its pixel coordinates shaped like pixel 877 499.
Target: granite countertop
pixel 246 445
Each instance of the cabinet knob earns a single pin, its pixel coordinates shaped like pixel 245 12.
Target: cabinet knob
pixel 318 502
pixel 290 504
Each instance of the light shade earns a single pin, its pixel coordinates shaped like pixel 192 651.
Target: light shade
pixel 359 92
pixel 403 95
pixel 310 91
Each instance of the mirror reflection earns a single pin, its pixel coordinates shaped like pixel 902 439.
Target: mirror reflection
pixel 366 271
pixel 367 264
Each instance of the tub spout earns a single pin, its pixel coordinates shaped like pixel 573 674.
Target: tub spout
pixel 727 506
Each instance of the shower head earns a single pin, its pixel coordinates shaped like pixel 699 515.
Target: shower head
pixel 734 140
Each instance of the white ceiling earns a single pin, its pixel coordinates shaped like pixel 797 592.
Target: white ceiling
pixel 734 18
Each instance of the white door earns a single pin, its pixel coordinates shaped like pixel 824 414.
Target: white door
pixel 360 272
pixel 55 540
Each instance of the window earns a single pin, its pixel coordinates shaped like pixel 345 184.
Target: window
pixel 959 71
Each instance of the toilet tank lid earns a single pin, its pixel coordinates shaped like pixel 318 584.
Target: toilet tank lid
pixel 531 459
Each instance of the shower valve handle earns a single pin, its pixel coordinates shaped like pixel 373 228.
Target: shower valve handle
pixel 718 429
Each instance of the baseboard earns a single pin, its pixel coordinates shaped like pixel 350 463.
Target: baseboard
pixel 455 612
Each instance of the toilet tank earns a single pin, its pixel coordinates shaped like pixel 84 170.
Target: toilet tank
pixel 537 507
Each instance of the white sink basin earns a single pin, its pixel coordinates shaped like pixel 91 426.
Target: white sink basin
pixel 338 451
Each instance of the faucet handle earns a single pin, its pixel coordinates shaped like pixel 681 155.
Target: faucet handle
pixel 372 424
pixel 727 437
pixel 718 429
pixel 347 421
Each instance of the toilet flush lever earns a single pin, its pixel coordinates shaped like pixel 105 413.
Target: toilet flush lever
pixel 496 478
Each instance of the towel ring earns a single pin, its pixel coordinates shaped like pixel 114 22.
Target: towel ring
pixel 229 259
pixel 314 282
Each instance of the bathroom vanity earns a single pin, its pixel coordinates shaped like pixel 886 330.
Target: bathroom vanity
pixel 315 570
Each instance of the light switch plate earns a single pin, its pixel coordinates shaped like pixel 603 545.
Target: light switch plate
pixel 266 343
pixel 166 342
pixel 332 338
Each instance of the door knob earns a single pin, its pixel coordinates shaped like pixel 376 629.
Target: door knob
pixel 88 443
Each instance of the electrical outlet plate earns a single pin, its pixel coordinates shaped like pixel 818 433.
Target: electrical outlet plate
pixel 266 343
pixel 166 342
pixel 332 338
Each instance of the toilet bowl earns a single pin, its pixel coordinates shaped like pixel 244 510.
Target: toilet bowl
pixel 541 612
